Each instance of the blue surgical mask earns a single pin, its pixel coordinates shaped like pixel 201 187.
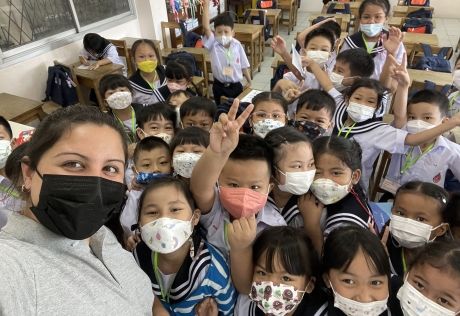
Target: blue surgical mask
pixel 372 30
pixel 147 177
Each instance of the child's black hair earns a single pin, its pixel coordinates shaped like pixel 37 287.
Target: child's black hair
pixel 290 246
pixel 154 112
pixel 343 244
pixel 384 4
pixel 195 105
pixel 148 144
pixel 178 69
pixel 442 255
pixel 224 19
pixel 321 32
pixel 347 150
pixel 271 97
pixel 112 82
pixel 282 136
pixel 4 122
pixel 148 42
pixel 433 97
pixel 190 135
pixel 177 93
pixel 370 84
pixel 316 100
pixel 251 147
pixel 331 25
pixel 360 62
pixel 94 43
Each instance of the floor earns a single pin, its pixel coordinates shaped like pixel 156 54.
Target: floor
pixel 448 31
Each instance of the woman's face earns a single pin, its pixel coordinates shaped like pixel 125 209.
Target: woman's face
pixel 145 52
pixel 83 150
pixel 360 282
pixel 297 157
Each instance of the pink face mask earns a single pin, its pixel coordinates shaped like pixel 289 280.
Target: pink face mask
pixel 241 202
pixel 173 87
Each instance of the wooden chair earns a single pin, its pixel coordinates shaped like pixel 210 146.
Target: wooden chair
pixel 122 50
pixel 287 6
pixel 380 171
pixel 176 41
pixel 417 52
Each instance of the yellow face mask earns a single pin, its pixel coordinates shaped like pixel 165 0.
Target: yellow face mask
pixel 147 65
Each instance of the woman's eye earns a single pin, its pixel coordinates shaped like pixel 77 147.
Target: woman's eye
pixel 73 164
pixel 146 165
pixel 163 163
pixel 336 173
pixel 427 118
pixel 111 169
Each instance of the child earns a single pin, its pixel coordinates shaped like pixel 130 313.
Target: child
pixel 431 284
pixel 117 94
pixel 372 37
pixel 336 187
pixel 357 273
pixel 328 23
pixel 199 112
pixel 284 263
pixel 178 78
pixel 418 217
pixel 150 74
pixel 152 160
pixel 228 59
pixel 177 98
pixel 8 195
pixel 430 161
pixel 187 147
pixel 183 267
pixel 454 97
pixel 270 112
pixel 294 171
pixel 314 112
pixel 100 49
pixel 156 120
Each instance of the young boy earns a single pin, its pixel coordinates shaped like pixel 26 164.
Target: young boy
pixel 152 158
pixel 156 120
pixel 430 161
pixel 228 59
pixel 199 112
pixel 454 97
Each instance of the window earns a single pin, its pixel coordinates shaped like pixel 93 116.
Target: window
pixel 31 25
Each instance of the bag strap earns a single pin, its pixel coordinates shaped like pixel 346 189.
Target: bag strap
pixel 443 52
pixel 427 50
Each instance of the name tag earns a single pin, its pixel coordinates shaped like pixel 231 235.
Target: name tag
pixel 228 71
pixel 389 185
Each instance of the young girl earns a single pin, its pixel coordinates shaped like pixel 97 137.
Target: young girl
pixel 294 171
pixel 373 14
pixel 150 74
pixel 178 77
pixel 100 49
pixel 270 112
pixel 431 286
pixel 183 268
pixel 419 215
pixel 117 93
pixel 356 272
pixel 187 147
pixel 336 187
pixel 285 270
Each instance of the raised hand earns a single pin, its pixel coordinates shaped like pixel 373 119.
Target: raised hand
pixel 399 71
pixel 242 232
pixel 207 307
pixel 310 208
pixel 393 40
pixel 278 44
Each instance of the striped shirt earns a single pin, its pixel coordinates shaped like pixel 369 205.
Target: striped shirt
pixel 290 211
pixel 145 94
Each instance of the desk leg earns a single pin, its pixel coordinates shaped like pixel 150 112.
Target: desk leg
pixel 100 99
pixel 276 28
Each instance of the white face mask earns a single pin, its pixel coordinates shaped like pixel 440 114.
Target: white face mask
pixel 456 81
pixel 337 80
pixel 261 128
pixel 417 126
pixel 353 308
pixel 414 303
pixel 120 100
pixel 297 183
pixel 224 40
pixel 5 151
pixel 328 191
pixel 166 235
pixel 372 30
pixel 410 233
pixel 359 112
pixel 184 163
pixel 318 56
pixel 166 137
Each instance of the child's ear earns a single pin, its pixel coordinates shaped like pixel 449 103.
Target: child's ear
pixel 326 280
pixel 271 186
pixel 196 217
pixel 311 285
pixel 139 133
pixel 441 230
pixel 233 33
pixel 355 176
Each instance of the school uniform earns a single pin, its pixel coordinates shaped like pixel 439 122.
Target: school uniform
pixel 454 103
pixel 290 211
pixel 227 66
pixel 130 125
pixel 215 223
pixel 372 135
pixel 130 214
pixel 378 51
pixel 109 52
pixel 309 82
pixel 206 275
pixel 143 92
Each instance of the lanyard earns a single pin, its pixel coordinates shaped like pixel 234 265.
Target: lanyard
pixel 365 208
pixel 228 56
pixel 348 132
pixel 164 292
pixel 368 49
pixel 404 261
pixel 133 125
pixel 412 161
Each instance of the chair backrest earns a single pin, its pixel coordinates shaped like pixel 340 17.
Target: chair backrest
pixel 418 53
pixel 171 26
pixel 380 171
pixel 200 60
pixel 122 50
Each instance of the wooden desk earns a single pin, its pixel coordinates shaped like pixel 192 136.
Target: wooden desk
pixel 354 7
pixel 403 11
pixel 290 7
pixel 91 79
pixel 244 93
pixel 439 78
pixel 410 39
pixel 19 109
pixel 345 18
pixel 252 37
pixel 273 18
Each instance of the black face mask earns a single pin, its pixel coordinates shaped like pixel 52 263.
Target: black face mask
pixel 77 206
pixel 309 129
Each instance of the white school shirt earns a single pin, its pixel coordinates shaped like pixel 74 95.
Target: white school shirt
pixel 309 82
pixel 214 222
pixel 130 214
pixel 430 167
pixel 234 56
pixel 110 52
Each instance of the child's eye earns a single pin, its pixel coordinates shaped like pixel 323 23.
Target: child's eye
pixel 179 152
pixel 286 279
pixel 169 128
pixel 399 213
pixel 73 165
pixel 427 118
pixel 261 272
pixel 277 115
pixel 233 185
pixel 146 165
pixel 336 173
pixel 348 281
pixel 163 163
pixel 311 165
pixel 420 219
pixel 255 187
pixel 175 209
pixel 411 117
pixel 376 282
pixel 419 285
pixel 149 212
pixel 442 301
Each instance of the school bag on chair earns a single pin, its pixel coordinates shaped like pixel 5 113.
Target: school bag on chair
pixel 416 25
pixel 419 3
pixel 260 19
pixel 432 62
pixel 342 8
pixel 421 14
pixel 266 4
pixel 60 87
pixel 187 58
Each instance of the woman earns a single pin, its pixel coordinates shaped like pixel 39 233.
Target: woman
pixel 56 256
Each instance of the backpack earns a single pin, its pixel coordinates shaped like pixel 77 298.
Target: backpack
pixel 266 4
pixel 421 14
pixel 434 63
pixel 430 85
pixel 60 87
pixel 279 73
pixel 420 3
pixel 415 25
pixel 187 58
pixel 191 39
pixel 333 10
pixel 259 20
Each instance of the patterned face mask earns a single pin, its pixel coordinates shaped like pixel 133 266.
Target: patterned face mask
pixel 184 163
pixel 275 299
pixel 309 129
pixel 261 128
pixel 120 100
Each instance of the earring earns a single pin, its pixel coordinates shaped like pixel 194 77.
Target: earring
pixel 24 189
